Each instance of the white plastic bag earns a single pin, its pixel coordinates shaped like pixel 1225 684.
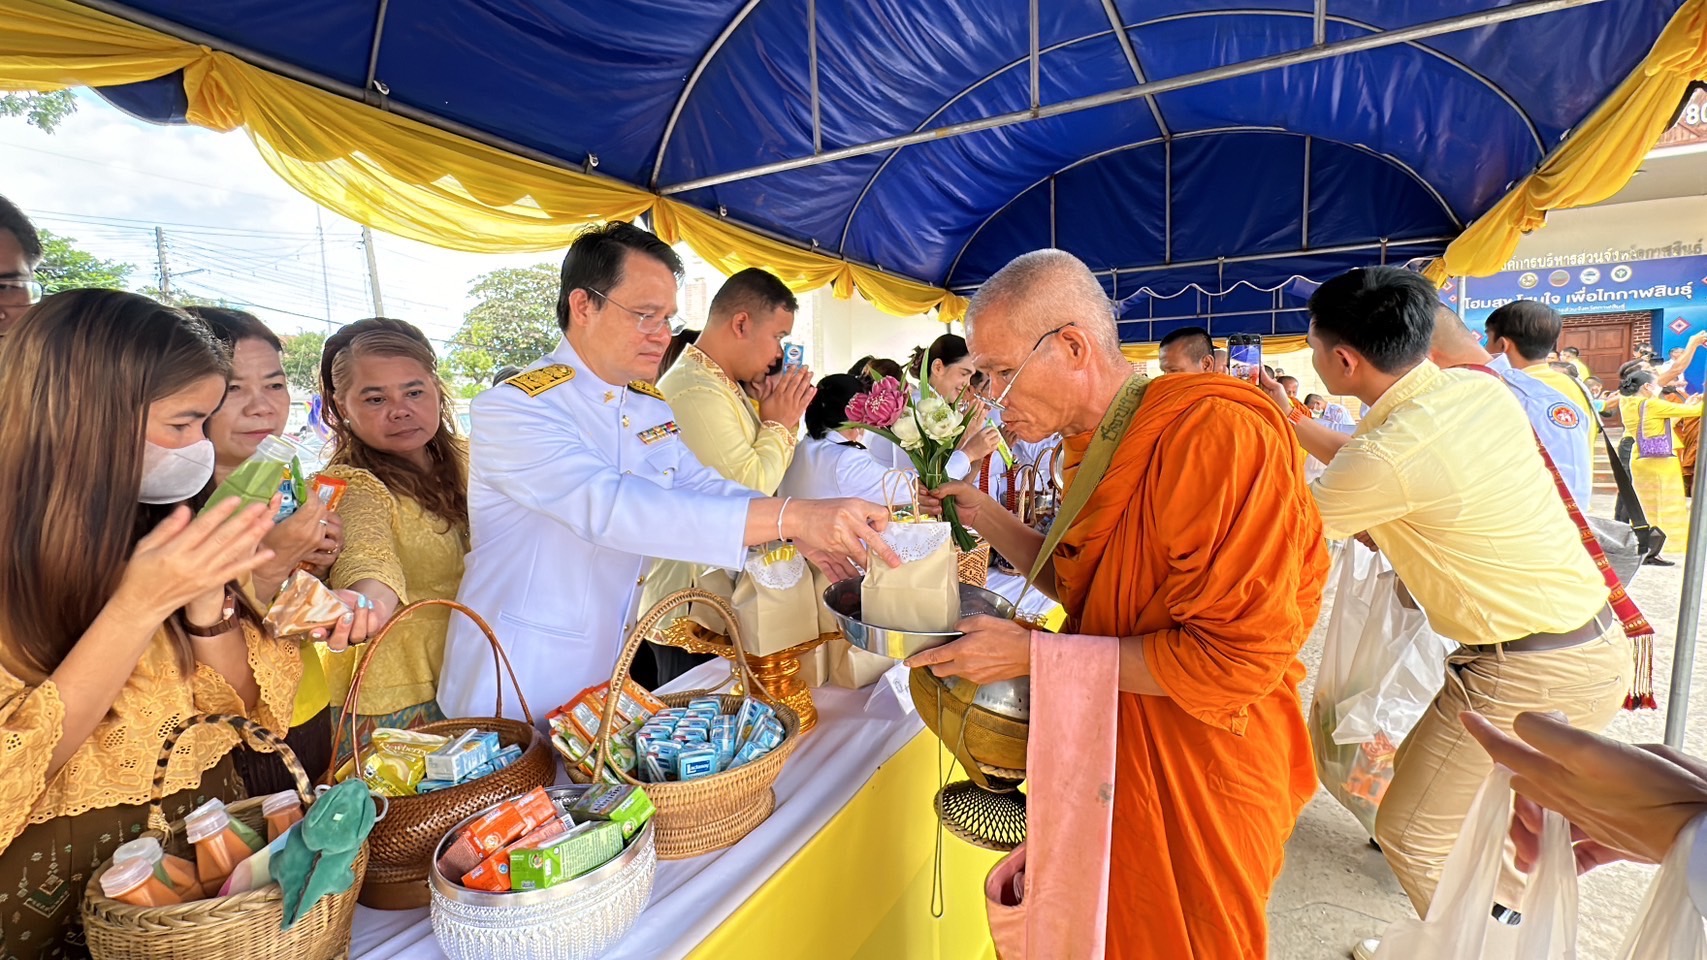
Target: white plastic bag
pixel 1460 924
pixel 1381 665
pixel 1669 927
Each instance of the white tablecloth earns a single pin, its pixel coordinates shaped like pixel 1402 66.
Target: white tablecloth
pixel 1009 587
pixel 857 731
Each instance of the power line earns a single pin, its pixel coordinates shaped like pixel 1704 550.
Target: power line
pixel 145 173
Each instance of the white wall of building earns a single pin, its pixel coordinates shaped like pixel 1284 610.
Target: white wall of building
pixel 845 330
pixel 1617 228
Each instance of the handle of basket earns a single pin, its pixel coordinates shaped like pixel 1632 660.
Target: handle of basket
pixel 644 629
pixel 246 728
pixel 500 665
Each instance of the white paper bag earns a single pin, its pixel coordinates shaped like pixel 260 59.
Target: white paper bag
pixel 775 602
pixel 923 593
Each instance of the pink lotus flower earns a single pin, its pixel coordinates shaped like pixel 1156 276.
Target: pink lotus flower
pixel 880 407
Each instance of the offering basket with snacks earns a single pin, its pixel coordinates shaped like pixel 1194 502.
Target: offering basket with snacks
pixel 205 926
pixel 403 841
pixel 711 810
pixel 568 889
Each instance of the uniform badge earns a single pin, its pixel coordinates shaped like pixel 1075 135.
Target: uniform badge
pixel 641 386
pixel 1564 415
pixel 662 431
pixel 535 382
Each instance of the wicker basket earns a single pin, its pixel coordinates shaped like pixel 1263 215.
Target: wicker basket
pixel 403 842
pixel 576 920
pixel 220 928
pixel 974 564
pixel 714 812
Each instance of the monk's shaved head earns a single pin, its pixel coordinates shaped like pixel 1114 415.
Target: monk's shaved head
pixel 1454 344
pixel 1043 333
pixel 1058 283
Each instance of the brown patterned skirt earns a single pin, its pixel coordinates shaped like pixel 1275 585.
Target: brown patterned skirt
pixel 45 869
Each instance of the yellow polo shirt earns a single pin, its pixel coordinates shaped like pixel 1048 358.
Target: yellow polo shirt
pixel 1575 392
pixel 1444 474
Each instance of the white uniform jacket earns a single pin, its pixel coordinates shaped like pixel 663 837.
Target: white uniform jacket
pixel 572 484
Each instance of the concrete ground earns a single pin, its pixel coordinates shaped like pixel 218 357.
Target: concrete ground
pixel 1336 889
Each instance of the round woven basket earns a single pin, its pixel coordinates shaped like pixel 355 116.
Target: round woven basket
pixel 713 812
pixel 220 928
pixel 402 843
pixel 974 565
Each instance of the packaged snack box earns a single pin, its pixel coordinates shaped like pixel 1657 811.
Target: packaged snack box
pixel 585 848
pixel 624 803
pixel 509 821
pixel 458 758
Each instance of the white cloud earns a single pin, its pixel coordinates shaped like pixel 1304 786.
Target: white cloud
pixel 232 227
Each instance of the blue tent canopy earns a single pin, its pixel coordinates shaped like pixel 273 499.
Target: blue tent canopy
pixel 939 139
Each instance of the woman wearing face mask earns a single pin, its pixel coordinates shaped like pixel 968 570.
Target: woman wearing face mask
pixel 946 365
pixel 120 614
pixel 257 406
pixel 1655 470
pixel 405 511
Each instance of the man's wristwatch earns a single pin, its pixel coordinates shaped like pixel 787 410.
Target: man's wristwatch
pixel 227 622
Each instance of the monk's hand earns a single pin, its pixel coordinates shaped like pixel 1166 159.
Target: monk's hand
pixel 1628 798
pixel 990 649
pixel 968 500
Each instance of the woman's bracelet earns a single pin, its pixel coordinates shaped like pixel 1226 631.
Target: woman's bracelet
pixel 780 511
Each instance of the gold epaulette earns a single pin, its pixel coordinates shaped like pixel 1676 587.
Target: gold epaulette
pixel 535 382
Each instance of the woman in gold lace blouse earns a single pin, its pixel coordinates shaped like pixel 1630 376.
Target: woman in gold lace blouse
pixel 405 512
pixel 119 614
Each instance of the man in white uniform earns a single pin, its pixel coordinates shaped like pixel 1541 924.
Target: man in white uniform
pixel 577 475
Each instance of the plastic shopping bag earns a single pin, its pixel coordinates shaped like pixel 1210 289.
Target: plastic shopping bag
pixel 1381 665
pixel 1460 924
pixel 1669 927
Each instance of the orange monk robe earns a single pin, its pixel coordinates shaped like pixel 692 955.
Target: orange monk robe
pixel 1202 539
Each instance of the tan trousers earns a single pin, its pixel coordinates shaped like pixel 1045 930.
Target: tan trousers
pixel 1439 767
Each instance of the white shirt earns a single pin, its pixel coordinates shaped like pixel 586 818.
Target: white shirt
pixel 1562 426
pixel 830 468
pixel 570 490
pixel 1334 417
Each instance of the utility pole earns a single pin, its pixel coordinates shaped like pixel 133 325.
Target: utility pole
pixel 165 272
pixel 372 272
pixel 325 275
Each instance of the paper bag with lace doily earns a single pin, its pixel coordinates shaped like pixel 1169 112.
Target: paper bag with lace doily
pixel 775 602
pixel 923 593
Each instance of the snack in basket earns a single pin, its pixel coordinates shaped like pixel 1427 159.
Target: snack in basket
pixel 257 871
pixel 625 804
pixel 699 760
pixel 407 741
pixel 281 810
pixel 493 873
pixel 134 882
pixel 457 759
pixel 585 711
pixel 509 821
pixel 303 605
pixel 392 773
pixel 219 846
pixel 581 850
pixel 175 872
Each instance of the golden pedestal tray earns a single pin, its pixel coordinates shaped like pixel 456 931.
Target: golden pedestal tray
pixel 778 673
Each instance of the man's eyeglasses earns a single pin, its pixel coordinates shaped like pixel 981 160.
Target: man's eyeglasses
pixel 999 402
pixel 649 322
pixel 20 293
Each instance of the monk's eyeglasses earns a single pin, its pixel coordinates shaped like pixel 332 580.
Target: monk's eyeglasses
pixel 999 402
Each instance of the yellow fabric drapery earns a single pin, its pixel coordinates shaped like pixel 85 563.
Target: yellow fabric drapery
pixel 1598 159
pixel 399 175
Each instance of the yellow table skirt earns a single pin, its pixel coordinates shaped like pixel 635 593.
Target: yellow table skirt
pixel 861 888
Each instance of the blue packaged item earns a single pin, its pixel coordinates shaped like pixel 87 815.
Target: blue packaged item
pixel 429 786
pixel 652 766
pixel 714 703
pixel 696 762
pixel 748 717
pixel 499 761
pixel 748 753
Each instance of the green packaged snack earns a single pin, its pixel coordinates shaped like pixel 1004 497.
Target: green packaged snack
pixel 585 848
pixel 626 804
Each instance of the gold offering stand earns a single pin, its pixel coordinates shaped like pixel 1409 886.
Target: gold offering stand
pixel 778 673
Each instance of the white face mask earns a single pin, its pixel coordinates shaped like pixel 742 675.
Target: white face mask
pixel 170 475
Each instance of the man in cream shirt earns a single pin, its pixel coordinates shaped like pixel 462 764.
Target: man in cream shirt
pixel 750 442
pixel 1444 474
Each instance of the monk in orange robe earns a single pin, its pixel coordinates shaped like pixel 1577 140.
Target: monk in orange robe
pixel 1200 556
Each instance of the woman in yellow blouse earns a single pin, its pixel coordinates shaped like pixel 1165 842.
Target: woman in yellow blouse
pixel 119 614
pixel 257 406
pixel 405 511
pixel 1655 469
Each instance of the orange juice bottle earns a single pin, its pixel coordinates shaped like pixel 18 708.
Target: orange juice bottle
pixel 282 809
pixel 134 882
pixel 218 848
pixel 175 872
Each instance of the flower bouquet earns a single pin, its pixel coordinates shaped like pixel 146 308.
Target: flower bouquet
pixel 929 431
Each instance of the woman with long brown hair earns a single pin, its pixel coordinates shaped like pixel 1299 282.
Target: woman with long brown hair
pixel 405 511
pixel 120 615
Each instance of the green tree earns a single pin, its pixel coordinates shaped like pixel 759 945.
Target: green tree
pixel 513 323
pixel 64 267
pixel 43 110
pixel 302 361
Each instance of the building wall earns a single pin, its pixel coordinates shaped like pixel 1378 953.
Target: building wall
pixel 845 330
